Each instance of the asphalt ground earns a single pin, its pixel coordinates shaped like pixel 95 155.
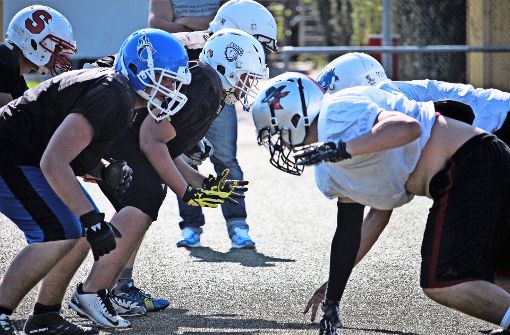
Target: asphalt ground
pixel 217 291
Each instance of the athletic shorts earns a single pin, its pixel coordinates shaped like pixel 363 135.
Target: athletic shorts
pixel 468 227
pixel 147 191
pixel 27 199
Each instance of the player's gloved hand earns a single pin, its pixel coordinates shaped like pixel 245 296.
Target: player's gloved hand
pixel 330 319
pixel 315 301
pixel 100 234
pixel 321 152
pixel 199 152
pixel 199 197
pixel 225 188
pixel 117 175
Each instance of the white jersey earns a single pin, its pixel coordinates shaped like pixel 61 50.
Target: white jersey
pixel 377 179
pixel 490 106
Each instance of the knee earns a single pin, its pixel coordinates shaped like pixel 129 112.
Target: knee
pixel 436 294
pixel 65 246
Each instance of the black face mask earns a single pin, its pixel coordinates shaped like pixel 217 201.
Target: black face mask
pixel 281 156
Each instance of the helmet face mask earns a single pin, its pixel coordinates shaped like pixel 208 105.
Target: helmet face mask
pixel 44 36
pixel 249 16
pixel 156 65
pixel 239 60
pixel 283 113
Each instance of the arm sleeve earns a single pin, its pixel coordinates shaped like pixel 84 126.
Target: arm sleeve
pixel 344 248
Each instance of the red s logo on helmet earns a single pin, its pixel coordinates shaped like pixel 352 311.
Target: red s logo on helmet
pixel 38 21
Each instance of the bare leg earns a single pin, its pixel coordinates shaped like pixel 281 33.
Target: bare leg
pixel 53 286
pixel 477 298
pixel 29 267
pixel 503 282
pixel 130 262
pixel 132 223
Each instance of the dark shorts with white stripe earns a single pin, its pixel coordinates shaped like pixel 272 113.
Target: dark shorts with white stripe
pixel 27 199
pixel 468 228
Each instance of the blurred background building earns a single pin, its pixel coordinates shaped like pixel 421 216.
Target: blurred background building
pixel 101 25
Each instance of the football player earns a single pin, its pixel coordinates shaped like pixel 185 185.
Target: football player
pixel 152 148
pixel 37 38
pixel 379 149
pixel 54 132
pixel 484 108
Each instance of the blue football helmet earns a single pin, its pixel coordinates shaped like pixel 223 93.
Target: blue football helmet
pixel 150 58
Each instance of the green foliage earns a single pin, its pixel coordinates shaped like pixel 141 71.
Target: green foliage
pixel 366 19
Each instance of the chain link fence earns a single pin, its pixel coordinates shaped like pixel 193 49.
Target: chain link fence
pixel 414 23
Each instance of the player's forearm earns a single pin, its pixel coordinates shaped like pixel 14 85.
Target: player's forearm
pixel 161 161
pixel 171 27
pixel 192 176
pixel 392 132
pixel 62 180
pixel 344 248
pixel 195 23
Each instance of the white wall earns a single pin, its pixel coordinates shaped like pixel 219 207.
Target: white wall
pixel 99 26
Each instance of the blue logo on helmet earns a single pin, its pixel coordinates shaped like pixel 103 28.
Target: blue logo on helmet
pixel 327 78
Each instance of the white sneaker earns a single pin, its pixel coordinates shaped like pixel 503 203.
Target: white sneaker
pixel 241 239
pixel 98 308
pixel 190 239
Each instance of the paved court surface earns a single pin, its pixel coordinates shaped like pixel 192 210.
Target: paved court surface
pixel 218 291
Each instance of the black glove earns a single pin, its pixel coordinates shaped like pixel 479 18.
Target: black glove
pixel 100 234
pixel 117 175
pixel 330 320
pixel 225 188
pixel 199 197
pixel 199 152
pixel 321 152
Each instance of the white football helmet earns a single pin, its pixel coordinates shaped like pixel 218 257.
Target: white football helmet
pixel 42 34
pixel 249 16
pixel 239 60
pixel 352 69
pixel 283 113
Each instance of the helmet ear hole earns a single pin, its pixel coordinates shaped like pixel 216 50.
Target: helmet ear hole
pixel 220 69
pixel 33 43
pixel 133 68
pixel 295 120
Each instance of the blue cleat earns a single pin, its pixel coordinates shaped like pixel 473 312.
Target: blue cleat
pixel 190 239
pixel 241 239
pixel 130 292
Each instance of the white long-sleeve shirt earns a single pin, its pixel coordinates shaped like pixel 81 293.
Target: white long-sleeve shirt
pixel 377 179
pixel 490 106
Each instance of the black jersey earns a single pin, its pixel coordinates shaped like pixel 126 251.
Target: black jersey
pixel 11 81
pixel 101 95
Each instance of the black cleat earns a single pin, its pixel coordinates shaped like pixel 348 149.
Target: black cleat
pixel 53 323
pixel 6 326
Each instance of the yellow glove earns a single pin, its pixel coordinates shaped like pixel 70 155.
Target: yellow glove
pixel 199 197
pixel 225 188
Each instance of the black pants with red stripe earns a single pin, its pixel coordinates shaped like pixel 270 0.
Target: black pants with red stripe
pixel 467 235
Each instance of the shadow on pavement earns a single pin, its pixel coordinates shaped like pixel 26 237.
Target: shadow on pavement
pixel 172 321
pixel 379 331
pixel 245 257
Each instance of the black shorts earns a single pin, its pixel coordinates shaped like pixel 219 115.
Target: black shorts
pixel 147 190
pixel 503 133
pixel 468 228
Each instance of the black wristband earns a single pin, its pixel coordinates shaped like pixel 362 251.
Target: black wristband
pixel 91 218
pixel 342 150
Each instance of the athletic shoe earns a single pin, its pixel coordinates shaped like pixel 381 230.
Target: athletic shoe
pixel 500 332
pixel 6 326
pixel 98 308
pixel 190 239
pixel 55 324
pixel 128 290
pixel 241 239
pixel 125 306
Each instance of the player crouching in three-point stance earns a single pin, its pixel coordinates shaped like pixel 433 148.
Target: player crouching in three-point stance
pixel 377 149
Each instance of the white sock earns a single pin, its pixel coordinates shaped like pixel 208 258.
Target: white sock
pixel 505 322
